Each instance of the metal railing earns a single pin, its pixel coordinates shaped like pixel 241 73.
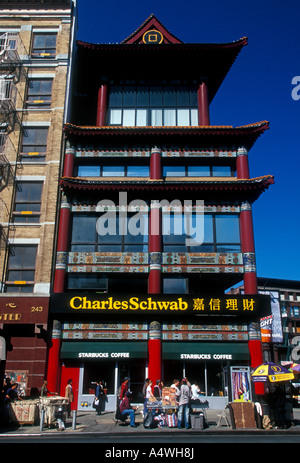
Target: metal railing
pixel 8 94
pixel 11 46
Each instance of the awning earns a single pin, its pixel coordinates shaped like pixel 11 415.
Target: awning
pixel 103 350
pixel 205 351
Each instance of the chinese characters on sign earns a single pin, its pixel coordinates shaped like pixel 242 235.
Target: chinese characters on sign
pixel 223 305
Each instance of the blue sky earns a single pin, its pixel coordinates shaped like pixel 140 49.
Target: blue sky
pixel 258 87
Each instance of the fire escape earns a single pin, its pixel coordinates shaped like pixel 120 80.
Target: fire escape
pixel 12 73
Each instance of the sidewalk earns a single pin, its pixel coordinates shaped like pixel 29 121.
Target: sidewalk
pixel 91 423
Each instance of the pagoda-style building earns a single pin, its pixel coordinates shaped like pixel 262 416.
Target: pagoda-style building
pixel 155 224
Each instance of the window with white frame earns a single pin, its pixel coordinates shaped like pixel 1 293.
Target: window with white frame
pixel 153 105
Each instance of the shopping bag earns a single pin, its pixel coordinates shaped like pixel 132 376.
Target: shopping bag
pixel 95 402
pixel 171 420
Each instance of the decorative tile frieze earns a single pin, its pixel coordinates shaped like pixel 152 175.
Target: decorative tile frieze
pixel 197 258
pixel 107 269
pixel 107 335
pixel 205 153
pixel 106 326
pixel 198 327
pixel 201 269
pixel 204 336
pixel 210 208
pixel 90 258
pixel 92 152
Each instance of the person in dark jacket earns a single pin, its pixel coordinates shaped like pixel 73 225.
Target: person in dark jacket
pixel 126 409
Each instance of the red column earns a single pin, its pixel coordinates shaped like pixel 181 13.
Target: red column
pixel 154 352
pixel 248 249
pixel 69 162
pixel 155 164
pixel 154 280
pixel 62 246
pixel 203 105
pixel 53 372
pixel 250 285
pixel 242 165
pixel 102 105
pixel 154 287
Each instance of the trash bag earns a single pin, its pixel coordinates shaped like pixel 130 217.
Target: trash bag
pixel 149 421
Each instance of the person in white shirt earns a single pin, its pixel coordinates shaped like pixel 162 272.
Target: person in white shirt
pixel 196 391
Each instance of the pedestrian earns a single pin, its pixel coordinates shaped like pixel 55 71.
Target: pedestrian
pixel 144 395
pixel 196 391
pixel 99 393
pixel 279 406
pixel 45 391
pixel 149 393
pixel 175 386
pixel 69 395
pixel 127 409
pixel 124 388
pixel 184 405
pixel 10 396
pixel 157 391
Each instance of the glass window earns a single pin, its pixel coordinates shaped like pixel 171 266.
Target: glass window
pixel 88 171
pixel 87 281
pixel 173 171
pixel 173 228
pixel 169 117
pixel 34 144
pixel 115 96
pixel 27 202
pixel 221 171
pixel 183 96
pixel 175 286
pixel 115 117
pixel 156 117
pixel 109 233
pixel 227 229
pixel 137 171
pixel 128 117
pixel 39 93
pixel 156 96
pixel 129 96
pixel 169 96
pixel 141 118
pixel 142 96
pixel 159 105
pixel 84 229
pixel 183 117
pixel 208 229
pixel 21 269
pixel 44 45
pixel 113 171
pixel 194 118
pixel 198 171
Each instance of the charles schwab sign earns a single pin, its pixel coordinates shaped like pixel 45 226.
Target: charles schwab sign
pixel 239 305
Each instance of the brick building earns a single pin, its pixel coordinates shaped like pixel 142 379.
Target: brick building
pixel 35 44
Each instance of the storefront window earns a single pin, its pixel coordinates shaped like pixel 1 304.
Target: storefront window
pixel 98 371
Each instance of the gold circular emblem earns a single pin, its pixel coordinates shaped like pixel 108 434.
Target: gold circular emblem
pixel 153 37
